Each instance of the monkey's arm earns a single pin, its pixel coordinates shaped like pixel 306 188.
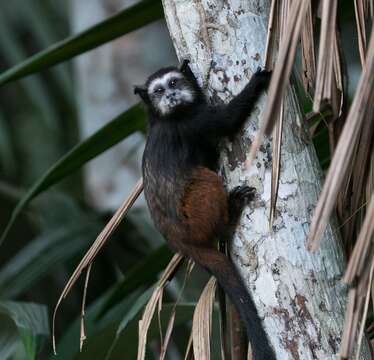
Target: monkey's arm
pixel 230 117
pixel 226 120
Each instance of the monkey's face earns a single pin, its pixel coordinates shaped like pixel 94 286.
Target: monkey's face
pixel 170 91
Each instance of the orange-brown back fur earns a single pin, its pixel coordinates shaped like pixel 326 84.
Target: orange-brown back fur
pixel 204 206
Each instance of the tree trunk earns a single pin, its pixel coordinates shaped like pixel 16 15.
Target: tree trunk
pixel 299 294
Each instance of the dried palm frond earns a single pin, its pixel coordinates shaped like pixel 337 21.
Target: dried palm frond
pixel 278 127
pixel 361 29
pixel 360 112
pixel 363 250
pixel 202 322
pixel 325 55
pixel 358 302
pixel 338 97
pixel 90 255
pixel 308 58
pixel 189 350
pixel 155 299
pixel 275 171
pixel 281 74
pixel 365 310
pixel 272 36
pixel 169 329
pixel 370 176
pixel 370 8
pixel 358 176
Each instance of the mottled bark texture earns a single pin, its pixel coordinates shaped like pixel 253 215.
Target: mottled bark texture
pixel 299 294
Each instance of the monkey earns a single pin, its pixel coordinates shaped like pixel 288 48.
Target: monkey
pixel 184 193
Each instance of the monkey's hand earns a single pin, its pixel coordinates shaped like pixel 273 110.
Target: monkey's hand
pixel 261 79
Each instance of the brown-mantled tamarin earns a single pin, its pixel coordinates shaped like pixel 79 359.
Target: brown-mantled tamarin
pixel 185 195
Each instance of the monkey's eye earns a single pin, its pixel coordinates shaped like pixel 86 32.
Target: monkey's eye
pixel 172 83
pixel 159 90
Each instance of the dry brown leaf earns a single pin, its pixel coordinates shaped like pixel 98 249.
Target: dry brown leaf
pixel 370 177
pixel 361 30
pixel 159 308
pixel 189 350
pixel 83 309
pixel 325 54
pixel 362 251
pixel 95 248
pixel 349 315
pixel 150 308
pixel 271 36
pixel 308 57
pixel 278 127
pixel 362 106
pixel 359 176
pixel 202 322
pixel 281 74
pixel 164 345
pixel 355 311
pixel 275 171
pixel 338 98
pixel 169 329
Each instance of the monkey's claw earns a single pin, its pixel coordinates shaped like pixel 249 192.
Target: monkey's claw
pixel 262 78
pixel 238 198
pixel 243 192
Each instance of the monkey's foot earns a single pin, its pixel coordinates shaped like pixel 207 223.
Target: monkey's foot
pixel 238 198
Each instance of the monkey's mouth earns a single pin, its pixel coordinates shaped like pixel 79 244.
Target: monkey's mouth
pixel 174 101
pixel 171 105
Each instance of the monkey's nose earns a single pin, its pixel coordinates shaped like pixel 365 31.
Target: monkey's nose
pixel 171 95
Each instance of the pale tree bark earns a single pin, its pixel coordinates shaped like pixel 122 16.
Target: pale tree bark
pixel 299 294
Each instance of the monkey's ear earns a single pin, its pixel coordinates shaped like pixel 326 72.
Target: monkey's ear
pixel 187 72
pixel 184 66
pixel 142 92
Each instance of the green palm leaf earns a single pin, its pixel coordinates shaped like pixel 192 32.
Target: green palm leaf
pixel 31 321
pixel 122 23
pixel 124 125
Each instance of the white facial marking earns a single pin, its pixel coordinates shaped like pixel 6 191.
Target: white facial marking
pixel 187 95
pixel 163 81
pixel 166 105
pixel 171 96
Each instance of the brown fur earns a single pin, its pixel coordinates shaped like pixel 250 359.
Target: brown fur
pixel 204 206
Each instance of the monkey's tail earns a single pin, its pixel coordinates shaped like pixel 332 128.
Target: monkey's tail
pixel 220 266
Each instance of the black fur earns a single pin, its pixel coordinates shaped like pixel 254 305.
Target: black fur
pixel 177 145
